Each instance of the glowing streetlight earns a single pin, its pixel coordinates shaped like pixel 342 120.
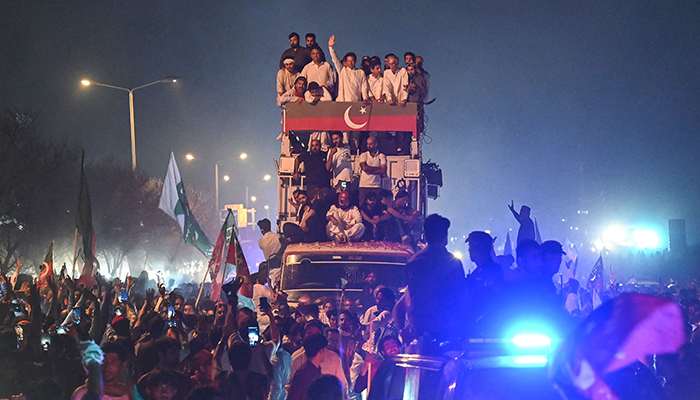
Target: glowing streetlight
pixel 167 79
pixel 253 198
pixel 243 156
pixel 267 177
pixel 227 178
pixel 189 157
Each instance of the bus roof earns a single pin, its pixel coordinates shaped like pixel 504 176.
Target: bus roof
pixel 378 248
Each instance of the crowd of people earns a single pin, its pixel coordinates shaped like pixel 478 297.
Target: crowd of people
pixel 335 206
pixel 130 340
pixel 305 75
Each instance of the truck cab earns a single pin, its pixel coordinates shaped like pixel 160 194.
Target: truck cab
pixel 330 271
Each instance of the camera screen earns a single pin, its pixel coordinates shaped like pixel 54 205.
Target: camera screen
pixel 253 336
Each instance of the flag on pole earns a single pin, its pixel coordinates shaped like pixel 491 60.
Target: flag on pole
pixel 217 258
pixel 46 275
pixel 508 248
pixel 173 202
pixel 84 229
pixel 228 251
pixel 538 237
pixel 597 271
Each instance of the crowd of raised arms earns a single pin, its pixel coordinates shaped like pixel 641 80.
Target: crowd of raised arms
pixel 76 339
pixel 305 75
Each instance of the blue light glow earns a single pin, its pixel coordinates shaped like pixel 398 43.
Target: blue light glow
pixel 531 341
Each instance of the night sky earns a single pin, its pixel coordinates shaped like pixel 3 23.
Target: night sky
pixel 561 105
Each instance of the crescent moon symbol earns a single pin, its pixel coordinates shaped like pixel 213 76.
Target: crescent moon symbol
pixel 351 124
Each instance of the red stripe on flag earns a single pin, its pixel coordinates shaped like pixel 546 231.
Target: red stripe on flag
pixel 404 123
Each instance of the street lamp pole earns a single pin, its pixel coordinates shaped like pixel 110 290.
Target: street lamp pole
pixel 216 189
pixel 169 79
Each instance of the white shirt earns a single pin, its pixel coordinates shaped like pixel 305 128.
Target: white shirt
pixel 285 81
pixel 342 166
pixel 322 74
pixel 572 302
pixel 371 180
pixel 352 83
pixel 399 81
pixel 350 216
pixel 380 86
pixel 270 244
pixel 289 97
pixel 331 365
pixel 326 96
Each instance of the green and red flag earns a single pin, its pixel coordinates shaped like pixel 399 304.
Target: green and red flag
pixel 350 116
pixel 85 230
pixel 46 275
pixel 228 244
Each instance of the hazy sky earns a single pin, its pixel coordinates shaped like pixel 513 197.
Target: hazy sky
pixel 561 105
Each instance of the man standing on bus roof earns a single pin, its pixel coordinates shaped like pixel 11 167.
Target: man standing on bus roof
pixel 319 71
pixel 300 54
pixel 373 166
pixel 286 77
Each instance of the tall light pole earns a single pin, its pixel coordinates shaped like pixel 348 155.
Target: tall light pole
pixel 168 79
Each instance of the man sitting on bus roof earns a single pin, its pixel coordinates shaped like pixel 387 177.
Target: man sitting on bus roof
pixel 295 94
pixel 344 221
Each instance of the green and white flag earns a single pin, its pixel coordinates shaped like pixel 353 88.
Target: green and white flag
pixel 173 202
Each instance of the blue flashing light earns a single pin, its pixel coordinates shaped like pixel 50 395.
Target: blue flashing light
pixel 527 340
pixel 531 360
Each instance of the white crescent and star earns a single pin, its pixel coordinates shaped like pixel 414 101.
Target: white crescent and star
pixel 349 122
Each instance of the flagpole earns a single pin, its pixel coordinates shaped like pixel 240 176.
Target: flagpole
pixel 201 288
pixel 75 252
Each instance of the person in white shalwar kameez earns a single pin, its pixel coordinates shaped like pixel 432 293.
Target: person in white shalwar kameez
pixel 344 221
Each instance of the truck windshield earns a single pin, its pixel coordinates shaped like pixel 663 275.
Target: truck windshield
pixel 308 275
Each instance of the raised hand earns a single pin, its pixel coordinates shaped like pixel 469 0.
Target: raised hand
pixel 331 41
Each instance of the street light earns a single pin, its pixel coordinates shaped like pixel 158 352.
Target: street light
pixel 167 79
pixel 189 157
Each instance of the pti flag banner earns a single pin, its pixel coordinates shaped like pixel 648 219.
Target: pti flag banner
pixel 173 202
pixel 350 116
pixel 46 275
pixel 228 251
pixel 84 229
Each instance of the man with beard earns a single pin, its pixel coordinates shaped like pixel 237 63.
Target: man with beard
pixel 339 162
pixel 316 176
pixel 416 85
pixel 296 94
pixel 286 77
pixel 311 44
pixel 300 54
pixel 344 221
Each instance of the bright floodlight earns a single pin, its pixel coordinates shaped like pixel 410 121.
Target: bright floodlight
pixel 253 198
pixel 646 239
pixel 531 341
pixel 189 157
pixel 226 178
pixel 267 207
pixel 85 82
pixel 458 255
pixel 266 177
pixel 243 156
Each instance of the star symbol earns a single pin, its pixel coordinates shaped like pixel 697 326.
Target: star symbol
pixel 363 110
